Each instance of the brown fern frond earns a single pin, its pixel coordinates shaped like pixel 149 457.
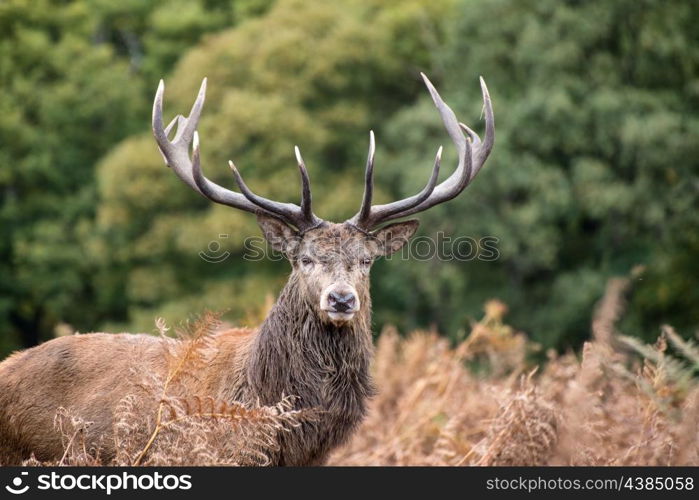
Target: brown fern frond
pixel 524 432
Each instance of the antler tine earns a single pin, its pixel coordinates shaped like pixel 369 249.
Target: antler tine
pixel 305 186
pixel 472 153
pixel 365 209
pixel 486 147
pixel 383 212
pixel 475 139
pixel 186 132
pixel 176 155
pixel 284 210
pixel 175 120
pixel 157 121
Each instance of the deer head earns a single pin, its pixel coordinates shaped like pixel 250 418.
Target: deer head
pixel 330 261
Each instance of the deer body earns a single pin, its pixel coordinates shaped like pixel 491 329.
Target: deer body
pixel 246 365
pixel 314 345
pixel 68 372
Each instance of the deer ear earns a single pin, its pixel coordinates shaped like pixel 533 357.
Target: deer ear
pixel 278 234
pixel 391 238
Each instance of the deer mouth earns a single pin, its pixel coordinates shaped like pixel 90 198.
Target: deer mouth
pixel 338 317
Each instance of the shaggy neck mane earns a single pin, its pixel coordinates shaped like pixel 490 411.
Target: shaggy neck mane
pixel 322 365
pixel 296 353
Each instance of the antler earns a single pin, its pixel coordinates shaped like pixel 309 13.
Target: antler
pixel 176 156
pixel 472 155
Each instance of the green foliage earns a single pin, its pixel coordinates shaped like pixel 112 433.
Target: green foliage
pixel 65 101
pixel 594 170
pixel 72 75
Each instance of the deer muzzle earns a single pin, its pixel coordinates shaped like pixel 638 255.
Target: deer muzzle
pixel 340 302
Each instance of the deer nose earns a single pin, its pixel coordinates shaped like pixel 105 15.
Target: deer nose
pixel 341 302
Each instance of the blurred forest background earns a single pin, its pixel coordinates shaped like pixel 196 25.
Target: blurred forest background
pixel 595 171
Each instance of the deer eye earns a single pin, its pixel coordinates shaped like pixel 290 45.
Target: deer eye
pixel 306 261
pixel 365 262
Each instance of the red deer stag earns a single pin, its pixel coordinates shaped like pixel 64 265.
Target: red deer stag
pixel 315 344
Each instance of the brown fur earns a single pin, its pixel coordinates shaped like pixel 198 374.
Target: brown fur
pixel 298 350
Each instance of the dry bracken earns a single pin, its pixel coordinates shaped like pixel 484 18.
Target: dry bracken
pixel 620 402
pixel 163 424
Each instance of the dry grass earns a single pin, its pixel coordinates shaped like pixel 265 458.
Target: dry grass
pixel 621 403
pixel 478 403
